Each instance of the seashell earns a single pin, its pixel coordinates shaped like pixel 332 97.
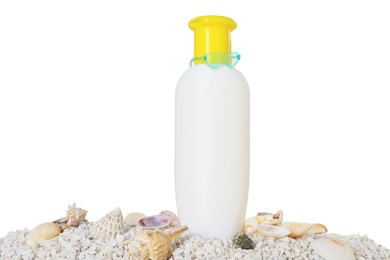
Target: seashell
pixel 271 219
pixel 332 249
pixel 152 244
pixel 297 229
pixel 74 217
pixel 272 231
pixel 153 222
pixel 132 218
pixel 42 232
pixel 251 224
pixel 109 226
pixel 174 220
pixel 317 229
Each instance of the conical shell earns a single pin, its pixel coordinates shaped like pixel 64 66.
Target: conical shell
pixel 132 218
pixel 297 229
pixel 317 229
pixel 74 217
pixel 152 244
pixel 109 226
pixel 333 249
pixel 272 231
pixel 42 232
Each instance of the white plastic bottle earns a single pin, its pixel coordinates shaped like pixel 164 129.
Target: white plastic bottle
pixel 212 135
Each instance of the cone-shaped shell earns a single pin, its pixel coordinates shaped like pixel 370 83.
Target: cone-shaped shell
pixel 109 226
pixel 317 229
pixel 332 249
pixel 272 231
pixel 297 229
pixel 132 218
pixel 42 232
pixel 152 244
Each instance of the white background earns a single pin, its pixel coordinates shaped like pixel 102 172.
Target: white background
pixel 87 107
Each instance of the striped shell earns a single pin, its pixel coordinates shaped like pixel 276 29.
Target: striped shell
pixel 109 226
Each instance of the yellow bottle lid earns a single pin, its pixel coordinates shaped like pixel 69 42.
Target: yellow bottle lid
pixel 212 34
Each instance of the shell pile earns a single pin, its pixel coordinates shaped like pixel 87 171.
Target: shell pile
pixel 74 217
pixel 153 244
pixel 272 225
pixel 109 226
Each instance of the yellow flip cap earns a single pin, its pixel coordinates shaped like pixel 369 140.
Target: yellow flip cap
pixel 212 34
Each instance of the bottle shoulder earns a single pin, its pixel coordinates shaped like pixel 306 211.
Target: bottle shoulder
pixel 202 74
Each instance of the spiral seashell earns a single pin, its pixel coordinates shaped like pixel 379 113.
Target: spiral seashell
pixel 109 226
pixel 152 244
pixel 297 229
pixel 74 217
pixel 332 249
pixel 42 232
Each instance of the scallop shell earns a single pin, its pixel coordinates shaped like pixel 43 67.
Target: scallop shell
pixel 333 249
pixel 153 222
pixel 152 244
pixel 272 231
pixel 317 229
pixel 271 219
pixel 174 220
pixel 132 218
pixel 42 232
pixel 74 217
pixel 109 226
pixel 297 229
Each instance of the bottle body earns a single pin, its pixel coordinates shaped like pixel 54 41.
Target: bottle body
pixel 212 150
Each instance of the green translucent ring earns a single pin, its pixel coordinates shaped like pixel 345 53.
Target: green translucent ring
pixel 216 59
